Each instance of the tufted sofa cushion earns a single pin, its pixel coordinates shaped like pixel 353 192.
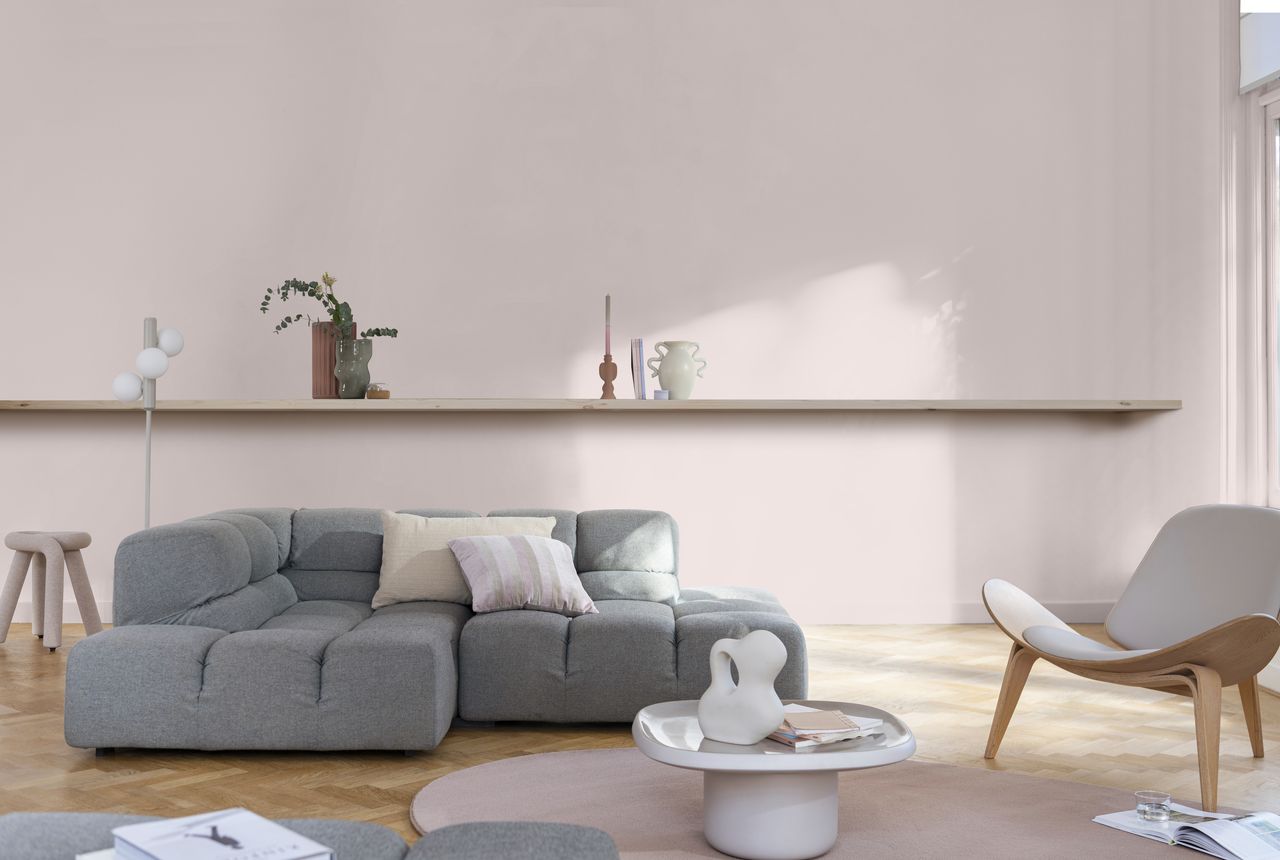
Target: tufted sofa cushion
pixel 336 553
pixel 628 555
pixel 525 665
pixel 322 675
pixel 63 835
pixel 207 572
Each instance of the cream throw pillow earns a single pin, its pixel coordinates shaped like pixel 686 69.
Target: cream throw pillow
pixel 417 563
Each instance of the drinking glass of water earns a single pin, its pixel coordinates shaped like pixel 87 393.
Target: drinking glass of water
pixel 1152 805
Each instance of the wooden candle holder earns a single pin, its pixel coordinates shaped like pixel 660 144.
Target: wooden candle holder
pixel 608 372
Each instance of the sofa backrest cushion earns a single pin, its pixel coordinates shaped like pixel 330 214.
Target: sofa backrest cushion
pixel 566 530
pixel 264 551
pixel 210 572
pixel 279 520
pixel 176 572
pixel 336 539
pixel 336 553
pixel 628 555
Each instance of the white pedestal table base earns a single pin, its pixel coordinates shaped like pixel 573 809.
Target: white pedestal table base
pixel 771 816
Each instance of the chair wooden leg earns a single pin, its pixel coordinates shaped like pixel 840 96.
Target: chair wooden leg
pixel 1206 697
pixel 1015 678
pixel 12 588
pixel 1252 713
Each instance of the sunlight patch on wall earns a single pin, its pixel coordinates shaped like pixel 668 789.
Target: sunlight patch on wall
pixel 865 331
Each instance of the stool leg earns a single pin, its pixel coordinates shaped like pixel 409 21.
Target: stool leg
pixel 12 588
pixel 53 596
pixel 84 593
pixel 37 594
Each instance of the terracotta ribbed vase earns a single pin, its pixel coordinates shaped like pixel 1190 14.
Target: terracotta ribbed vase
pixel 324 355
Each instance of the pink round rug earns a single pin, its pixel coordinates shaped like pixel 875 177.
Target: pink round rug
pixel 912 809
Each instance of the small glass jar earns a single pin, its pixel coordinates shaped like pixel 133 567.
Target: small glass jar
pixel 378 391
pixel 1152 805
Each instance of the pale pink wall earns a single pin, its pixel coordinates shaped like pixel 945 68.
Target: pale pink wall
pixel 991 198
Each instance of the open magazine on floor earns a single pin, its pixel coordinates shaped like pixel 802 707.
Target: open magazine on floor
pixel 1230 837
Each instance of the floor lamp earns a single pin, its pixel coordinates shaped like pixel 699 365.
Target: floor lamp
pixel 158 346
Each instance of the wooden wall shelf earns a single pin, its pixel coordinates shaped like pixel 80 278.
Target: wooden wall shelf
pixel 468 404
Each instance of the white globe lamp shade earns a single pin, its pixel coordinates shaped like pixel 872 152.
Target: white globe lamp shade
pixel 152 363
pixel 171 341
pixel 127 387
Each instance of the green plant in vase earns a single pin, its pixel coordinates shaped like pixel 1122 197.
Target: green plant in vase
pixel 340 360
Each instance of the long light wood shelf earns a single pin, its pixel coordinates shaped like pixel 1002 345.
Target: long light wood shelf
pixel 468 404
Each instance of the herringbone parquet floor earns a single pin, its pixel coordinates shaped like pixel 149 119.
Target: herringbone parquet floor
pixel 941 679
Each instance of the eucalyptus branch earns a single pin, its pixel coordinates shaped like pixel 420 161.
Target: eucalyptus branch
pixel 339 312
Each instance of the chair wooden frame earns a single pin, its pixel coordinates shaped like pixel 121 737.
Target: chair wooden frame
pixel 1230 654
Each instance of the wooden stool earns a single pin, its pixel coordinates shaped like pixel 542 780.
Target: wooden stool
pixel 51 551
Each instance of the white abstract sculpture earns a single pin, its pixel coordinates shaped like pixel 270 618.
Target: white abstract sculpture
pixel 749 711
pixel 151 363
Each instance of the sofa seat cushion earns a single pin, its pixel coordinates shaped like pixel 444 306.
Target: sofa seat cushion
pixel 620 660
pixel 323 675
pixel 393 679
pixel 63 835
pixel 137 686
pixel 511 666
pixel 525 665
pixel 695 601
pixel 334 616
pixel 603 667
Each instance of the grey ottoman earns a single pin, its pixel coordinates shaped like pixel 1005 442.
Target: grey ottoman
pixel 63 835
pixel 511 840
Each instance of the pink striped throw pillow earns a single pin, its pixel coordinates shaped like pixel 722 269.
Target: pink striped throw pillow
pixel 521 572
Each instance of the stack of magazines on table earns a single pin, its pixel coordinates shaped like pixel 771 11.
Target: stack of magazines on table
pixel 807 728
pixel 232 834
pixel 1231 837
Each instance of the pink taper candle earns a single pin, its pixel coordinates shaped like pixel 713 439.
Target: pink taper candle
pixel 608 324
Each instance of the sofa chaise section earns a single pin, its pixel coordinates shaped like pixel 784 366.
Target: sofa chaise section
pixel 205 657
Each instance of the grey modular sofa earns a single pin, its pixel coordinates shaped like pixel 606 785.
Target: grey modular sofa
pixel 252 629
pixel 63 835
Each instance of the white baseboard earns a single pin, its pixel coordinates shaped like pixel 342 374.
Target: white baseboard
pixel 70 612
pixel 1070 611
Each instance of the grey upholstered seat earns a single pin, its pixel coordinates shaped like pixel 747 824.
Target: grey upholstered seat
pixel 63 835
pixel 526 665
pixel 252 629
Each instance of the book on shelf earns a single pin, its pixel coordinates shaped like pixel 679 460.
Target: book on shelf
pixel 230 834
pixel 637 367
pixel 806 728
pixel 1230 837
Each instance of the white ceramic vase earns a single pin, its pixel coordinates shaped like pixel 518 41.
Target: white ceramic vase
pixel 749 711
pixel 678 366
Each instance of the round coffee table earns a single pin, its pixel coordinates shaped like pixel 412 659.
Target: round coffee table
pixel 767 801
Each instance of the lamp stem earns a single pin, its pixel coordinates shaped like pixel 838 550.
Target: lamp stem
pixel 150 338
pixel 146 477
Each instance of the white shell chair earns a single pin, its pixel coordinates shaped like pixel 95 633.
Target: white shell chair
pixel 1198 615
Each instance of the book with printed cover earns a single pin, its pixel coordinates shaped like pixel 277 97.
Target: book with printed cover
pixel 231 834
